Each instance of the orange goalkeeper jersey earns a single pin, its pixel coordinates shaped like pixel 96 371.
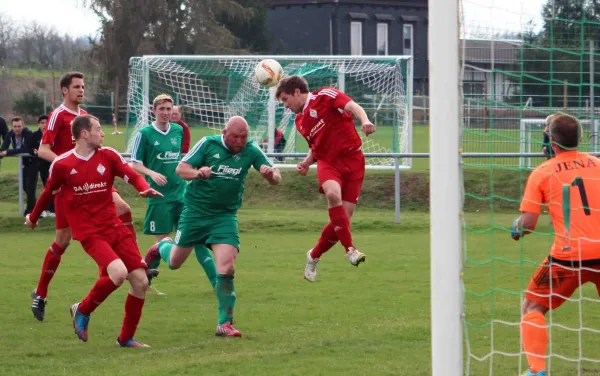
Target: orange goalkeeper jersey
pixel 580 172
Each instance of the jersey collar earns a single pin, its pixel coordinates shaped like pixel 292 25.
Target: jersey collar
pixel 70 111
pixel 162 132
pixel 82 157
pixel 308 98
pixel 223 142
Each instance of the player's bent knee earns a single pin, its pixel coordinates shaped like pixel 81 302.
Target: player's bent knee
pixel 117 272
pixel 226 269
pixel 138 280
pixel 531 306
pixel 63 237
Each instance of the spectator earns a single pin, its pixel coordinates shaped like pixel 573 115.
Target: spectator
pixel 3 128
pixel 20 138
pixel 279 143
pixel 176 118
pixel 114 121
pixel 43 165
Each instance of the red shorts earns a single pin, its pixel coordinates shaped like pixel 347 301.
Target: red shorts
pixel 112 244
pixel 61 211
pixel 554 282
pixel 348 171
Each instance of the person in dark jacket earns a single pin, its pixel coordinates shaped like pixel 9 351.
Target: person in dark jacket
pixel 43 165
pixel 3 128
pixel 20 138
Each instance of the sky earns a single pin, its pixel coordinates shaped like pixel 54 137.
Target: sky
pixel 81 21
pixel 497 15
pixel 502 15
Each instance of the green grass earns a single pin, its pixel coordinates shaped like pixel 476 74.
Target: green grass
pixel 371 320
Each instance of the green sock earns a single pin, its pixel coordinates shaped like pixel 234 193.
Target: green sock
pixel 207 262
pixel 226 297
pixel 164 248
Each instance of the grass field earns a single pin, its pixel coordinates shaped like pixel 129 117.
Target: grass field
pixel 371 320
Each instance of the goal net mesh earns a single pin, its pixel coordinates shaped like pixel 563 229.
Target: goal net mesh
pixel 521 61
pixel 211 89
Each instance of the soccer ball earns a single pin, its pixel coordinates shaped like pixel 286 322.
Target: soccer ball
pixel 268 72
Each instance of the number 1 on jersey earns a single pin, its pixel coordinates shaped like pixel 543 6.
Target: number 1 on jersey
pixel 578 182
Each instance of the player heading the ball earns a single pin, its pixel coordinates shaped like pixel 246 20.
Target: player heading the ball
pixel 324 119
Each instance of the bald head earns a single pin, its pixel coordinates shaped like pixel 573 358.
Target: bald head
pixel 235 134
pixel 176 114
pixel 237 123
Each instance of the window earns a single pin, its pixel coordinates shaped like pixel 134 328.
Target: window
pixel 407 39
pixel 382 38
pixel 355 38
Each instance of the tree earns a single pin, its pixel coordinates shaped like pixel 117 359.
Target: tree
pixel 168 27
pixel 7 39
pixel 556 54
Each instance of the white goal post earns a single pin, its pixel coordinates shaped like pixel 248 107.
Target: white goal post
pixel 210 89
pixel 445 190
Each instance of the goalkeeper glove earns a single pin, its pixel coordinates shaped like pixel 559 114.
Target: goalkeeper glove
pixel 515 233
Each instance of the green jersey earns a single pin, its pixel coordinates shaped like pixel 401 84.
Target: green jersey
pixel 223 191
pixel 161 152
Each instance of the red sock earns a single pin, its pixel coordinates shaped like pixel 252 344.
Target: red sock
pixel 326 241
pixel 133 314
pixel 127 220
pixel 341 225
pixel 101 290
pixel 51 262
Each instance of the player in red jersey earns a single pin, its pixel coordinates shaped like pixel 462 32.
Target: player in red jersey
pixel 84 177
pixel 57 139
pixel 324 119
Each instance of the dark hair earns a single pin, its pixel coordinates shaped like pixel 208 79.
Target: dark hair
pixel 67 78
pixel 564 130
pixel 16 118
pixel 80 123
pixel 289 85
pixel 42 117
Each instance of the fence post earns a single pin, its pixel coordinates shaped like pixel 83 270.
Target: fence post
pixel 397 187
pixel 21 211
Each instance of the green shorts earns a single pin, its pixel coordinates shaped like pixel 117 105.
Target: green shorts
pixel 162 218
pixel 216 229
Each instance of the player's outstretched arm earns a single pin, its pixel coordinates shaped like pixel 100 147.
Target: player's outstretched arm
pixel 139 167
pixel 357 110
pixel 187 172
pixel 271 174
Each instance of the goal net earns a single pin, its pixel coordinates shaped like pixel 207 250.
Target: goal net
pixel 211 89
pixel 520 61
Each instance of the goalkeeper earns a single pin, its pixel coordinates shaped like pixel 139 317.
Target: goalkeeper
pixel 217 167
pixel 575 254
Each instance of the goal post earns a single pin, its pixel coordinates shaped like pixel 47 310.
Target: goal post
pixel 210 89
pixel 445 192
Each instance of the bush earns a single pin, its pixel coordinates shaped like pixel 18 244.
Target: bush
pixel 30 104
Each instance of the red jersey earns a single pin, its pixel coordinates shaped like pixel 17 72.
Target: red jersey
pixel 86 185
pixel 185 142
pixel 326 126
pixel 58 131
